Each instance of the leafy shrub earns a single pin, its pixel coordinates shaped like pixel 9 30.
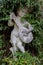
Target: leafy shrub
pixel 22 59
pixel 33 17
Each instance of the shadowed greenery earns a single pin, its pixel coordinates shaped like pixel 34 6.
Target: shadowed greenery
pixel 34 17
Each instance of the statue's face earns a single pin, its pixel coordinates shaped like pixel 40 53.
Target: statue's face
pixel 22 12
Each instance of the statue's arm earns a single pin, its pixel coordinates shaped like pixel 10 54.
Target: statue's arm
pixel 28 26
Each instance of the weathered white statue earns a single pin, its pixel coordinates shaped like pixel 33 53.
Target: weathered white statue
pixel 22 32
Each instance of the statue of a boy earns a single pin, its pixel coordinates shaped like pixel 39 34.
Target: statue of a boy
pixel 22 31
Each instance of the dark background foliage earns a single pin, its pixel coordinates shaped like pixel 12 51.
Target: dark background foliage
pixel 35 48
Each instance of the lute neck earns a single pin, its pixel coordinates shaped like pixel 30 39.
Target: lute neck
pixel 18 22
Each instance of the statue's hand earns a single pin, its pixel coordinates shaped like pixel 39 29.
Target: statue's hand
pixel 28 26
pixel 12 16
pixel 23 30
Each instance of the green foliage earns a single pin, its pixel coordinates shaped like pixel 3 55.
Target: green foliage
pixel 22 59
pixel 6 6
pixel 33 17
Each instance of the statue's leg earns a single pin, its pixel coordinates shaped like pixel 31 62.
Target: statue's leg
pixel 20 46
pixel 13 49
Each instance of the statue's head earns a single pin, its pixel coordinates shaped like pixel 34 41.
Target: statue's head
pixel 21 12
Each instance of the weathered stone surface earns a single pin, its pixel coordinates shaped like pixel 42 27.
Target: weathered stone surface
pixel 20 33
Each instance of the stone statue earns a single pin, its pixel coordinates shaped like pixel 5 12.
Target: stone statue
pixel 22 32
